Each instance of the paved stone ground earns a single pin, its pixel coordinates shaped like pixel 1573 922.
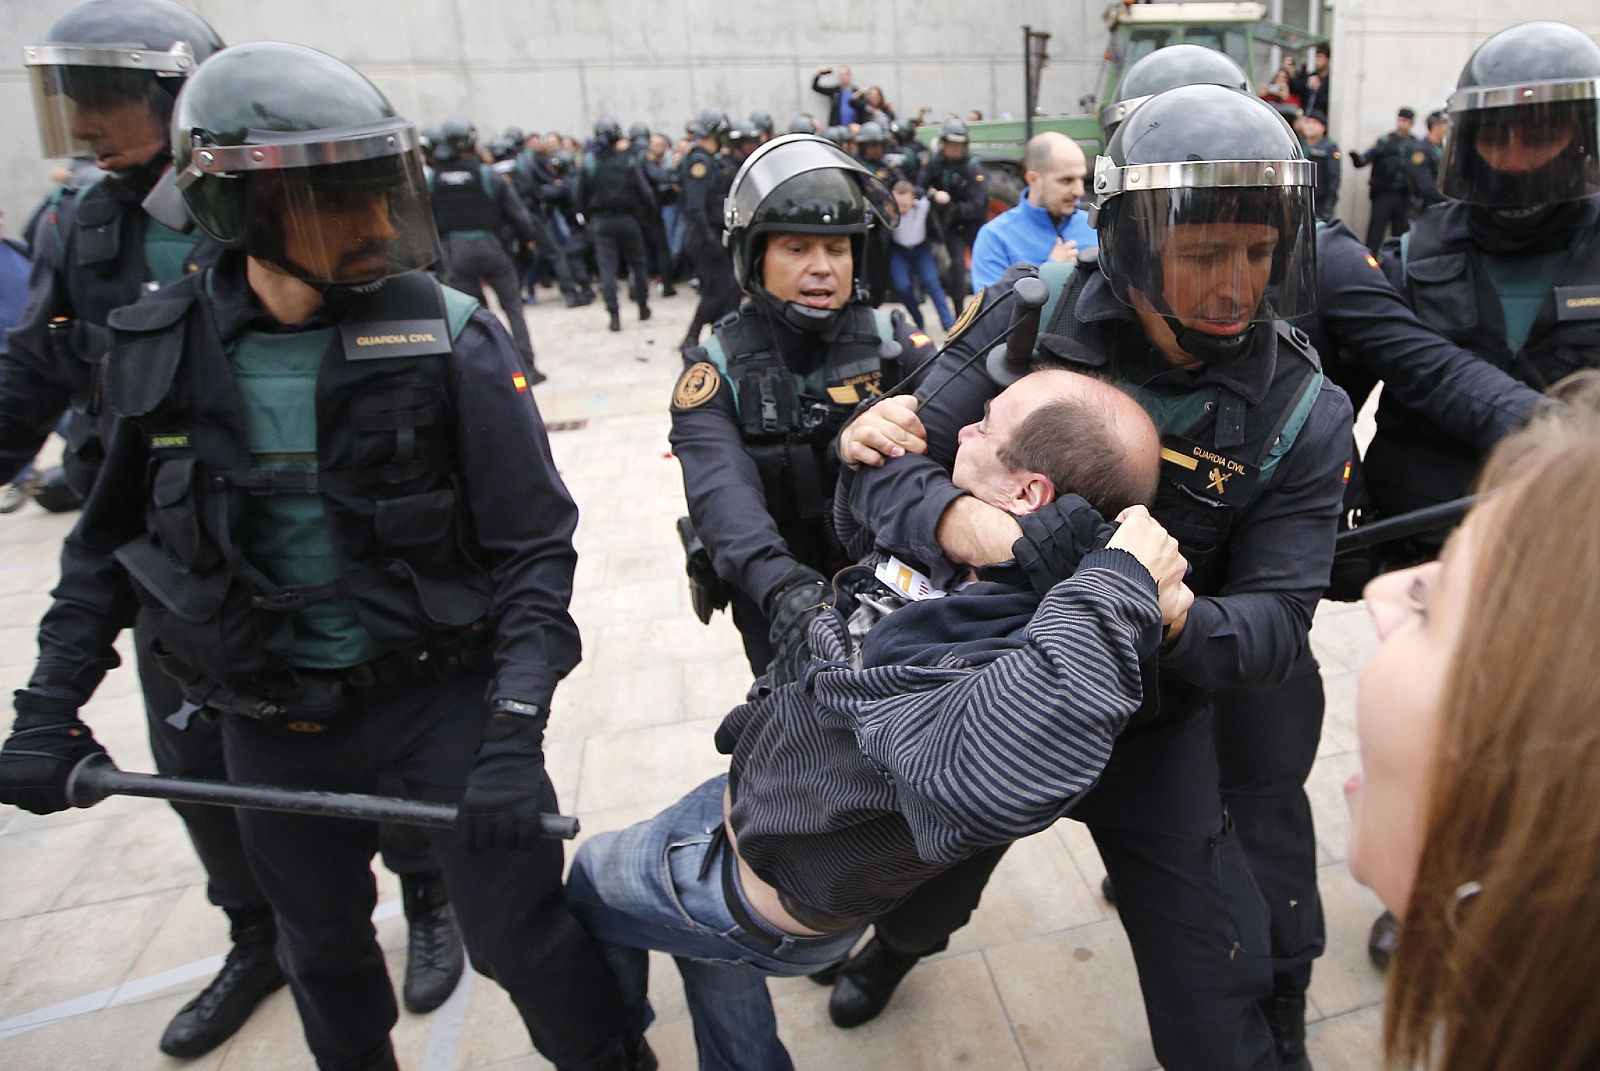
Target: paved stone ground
pixel 105 930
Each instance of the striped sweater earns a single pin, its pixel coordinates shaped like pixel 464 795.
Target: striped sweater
pixel 855 786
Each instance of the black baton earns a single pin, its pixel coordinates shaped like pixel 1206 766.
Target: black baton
pixel 96 777
pixel 1427 519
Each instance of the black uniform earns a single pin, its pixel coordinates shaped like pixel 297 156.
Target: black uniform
pixel 1390 187
pixel 759 478
pixel 1330 171
pixel 703 182
pixel 615 197
pixel 879 240
pixel 663 182
pixel 959 220
pixel 471 206
pixel 1457 274
pixel 1261 559
pixel 461 587
pixel 1422 173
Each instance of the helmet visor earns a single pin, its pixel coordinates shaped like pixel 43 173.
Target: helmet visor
pixel 1217 258
pixel 1543 149
pixel 103 113
pixel 772 188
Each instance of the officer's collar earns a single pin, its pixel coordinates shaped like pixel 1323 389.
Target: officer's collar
pixel 1249 376
pixel 234 308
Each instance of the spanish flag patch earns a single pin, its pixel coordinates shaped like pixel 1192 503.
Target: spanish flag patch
pixel 919 340
pixel 519 381
pixel 1372 261
pixel 1347 472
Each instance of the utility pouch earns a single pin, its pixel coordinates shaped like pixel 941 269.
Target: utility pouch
pixel 707 591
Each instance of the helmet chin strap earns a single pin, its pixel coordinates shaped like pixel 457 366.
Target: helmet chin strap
pixel 1212 349
pixel 812 321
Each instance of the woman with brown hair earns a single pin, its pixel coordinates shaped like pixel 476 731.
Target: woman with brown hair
pixel 1476 817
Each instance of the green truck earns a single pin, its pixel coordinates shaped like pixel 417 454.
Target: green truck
pixel 1239 29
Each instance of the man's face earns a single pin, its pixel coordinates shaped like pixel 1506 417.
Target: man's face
pixel 814 270
pixel 1322 63
pixel 658 147
pixel 953 150
pixel 1517 148
pixel 552 143
pixel 1402 126
pixel 844 76
pixel 1312 128
pixel 122 132
pixel 872 150
pixel 344 239
pixel 905 200
pixel 1214 276
pixel 1058 189
pixel 978 469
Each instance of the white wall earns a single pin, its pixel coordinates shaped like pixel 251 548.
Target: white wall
pixel 544 65
pixel 1388 55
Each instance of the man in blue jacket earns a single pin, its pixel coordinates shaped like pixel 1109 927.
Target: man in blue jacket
pixel 1046 224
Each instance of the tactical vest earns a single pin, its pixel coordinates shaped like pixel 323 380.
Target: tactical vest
pixel 462 197
pixel 385 471
pixel 117 254
pixel 789 421
pixel 1449 288
pixel 1217 452
pixel 611 185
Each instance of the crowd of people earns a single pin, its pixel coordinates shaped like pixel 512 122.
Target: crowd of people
pixel 1063 567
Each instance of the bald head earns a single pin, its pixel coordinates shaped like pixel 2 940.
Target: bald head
pixel 1056 172
pixel 1053 433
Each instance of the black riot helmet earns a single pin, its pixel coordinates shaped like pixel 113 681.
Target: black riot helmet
pixel 295 157
pixel 1169 68
pixel 515 135
pixel 429 138
pixel 762 121
pixel 953 132
pixel 1525 120
pixel 710 123
pixel 1205 199
pixel 607 131
pixel 639 132
pixel 801 124
pixel 104 53
pixel 457 137
pixel 839 135
pixel 801 184
pixel 871 133
pixel 742 132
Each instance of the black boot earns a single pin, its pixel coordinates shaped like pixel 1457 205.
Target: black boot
pixel 667 289
pixel 433 949
pixel 1286 1016
pixel 866 982
pixel 644 311
pixel 248 974
pixel 616 321
pixel 1381 941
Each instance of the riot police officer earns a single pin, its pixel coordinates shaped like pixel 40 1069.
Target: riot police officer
pixel 471 206
pixel 802 124
pixel 871 145
pixel 1325 153
pixel 1390 188
pixel 1185 307
pixel 700 178
pixel 638 138
pixel 536 181
pixel 1509 269
pixel 615 198
pixel 762 121
pixel 300 497
pixel 757 408
pixel 955 182
pixel 104 82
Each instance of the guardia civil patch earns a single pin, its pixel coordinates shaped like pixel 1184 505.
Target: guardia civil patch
pixel 697 386
pixel 1416 158
pixel 697 169
pixel 964 321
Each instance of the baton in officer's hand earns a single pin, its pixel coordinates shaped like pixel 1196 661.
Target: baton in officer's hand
pixel 96 777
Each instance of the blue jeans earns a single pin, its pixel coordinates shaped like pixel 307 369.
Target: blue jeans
pixel 658 885
pixel 902 262
pixel 672 223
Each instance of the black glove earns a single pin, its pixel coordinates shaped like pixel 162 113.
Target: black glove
pixel 506 786
pixel 1055 538
pixel 800 598
pixel 46 742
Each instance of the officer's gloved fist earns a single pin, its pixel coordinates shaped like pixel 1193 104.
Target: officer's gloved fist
pixel 46 742
pixel 1055 538
pixel 799 599
pixel 504 789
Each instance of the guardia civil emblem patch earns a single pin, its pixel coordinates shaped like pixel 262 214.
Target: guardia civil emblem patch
pixel 697 386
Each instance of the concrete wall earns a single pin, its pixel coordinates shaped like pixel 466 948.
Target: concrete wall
pixel 544 65
pixel 1387 56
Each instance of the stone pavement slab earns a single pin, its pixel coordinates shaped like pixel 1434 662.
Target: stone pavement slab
pixel 105 930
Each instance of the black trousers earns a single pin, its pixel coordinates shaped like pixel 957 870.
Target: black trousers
pixel 196 751
pixel 956 279
pixel 1391 210
pixel 658 248
pixel 547 245
pixel 1194 915
pixel 719 288
pixel 619 240
pixel 316 873
pixel 1266 742
pixel 472 263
